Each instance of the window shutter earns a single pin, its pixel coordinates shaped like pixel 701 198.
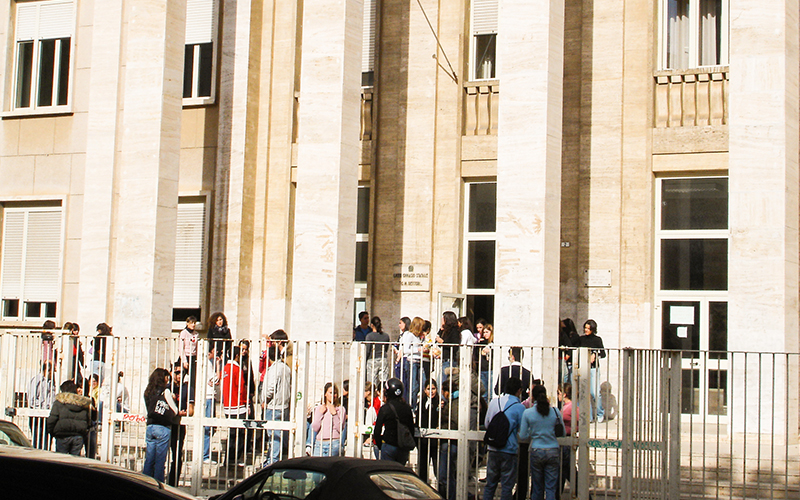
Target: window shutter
pixel 189 245
pixel 43 256
pixel 368 40
pixel 27 15
pixel 13 238
pixel 484 17
pixel 199 21
pixel 55 20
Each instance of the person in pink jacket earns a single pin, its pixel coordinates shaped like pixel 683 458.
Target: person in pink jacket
pixel 327 423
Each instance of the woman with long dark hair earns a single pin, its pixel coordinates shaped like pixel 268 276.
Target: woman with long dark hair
pixel 161 414
pixel 327 422
pixel 450 336
pixel 219 335
pixel 538 425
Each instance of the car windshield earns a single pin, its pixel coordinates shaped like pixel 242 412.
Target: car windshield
pixel 286 484
pixel 11 435
pixel 403 486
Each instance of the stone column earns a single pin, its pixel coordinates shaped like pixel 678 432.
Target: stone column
pixel 148 168
pixel 763 266
pixel 530 49
pixel 327 170
pixel 95 291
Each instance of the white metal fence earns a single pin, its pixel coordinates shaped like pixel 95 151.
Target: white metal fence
pixel 675 424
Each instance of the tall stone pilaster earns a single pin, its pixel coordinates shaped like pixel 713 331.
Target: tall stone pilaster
pixel 530 49
pixel 327 170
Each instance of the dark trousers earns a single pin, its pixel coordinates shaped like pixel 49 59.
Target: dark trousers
pixel 523 477
pixel 177 437
pixel 236 442
pixel 70 444
pixel 428 451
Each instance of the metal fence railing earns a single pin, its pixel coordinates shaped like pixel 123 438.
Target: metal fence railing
pixel 675 424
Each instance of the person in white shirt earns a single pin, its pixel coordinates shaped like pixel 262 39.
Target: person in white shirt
pixel 41 396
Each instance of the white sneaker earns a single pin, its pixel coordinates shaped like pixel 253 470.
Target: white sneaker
pixel 600 420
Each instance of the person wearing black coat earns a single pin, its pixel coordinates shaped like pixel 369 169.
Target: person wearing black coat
pixel 429 408
pixel 69 419
pixel 393 413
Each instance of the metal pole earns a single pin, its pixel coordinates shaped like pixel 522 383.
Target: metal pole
pixel 582 376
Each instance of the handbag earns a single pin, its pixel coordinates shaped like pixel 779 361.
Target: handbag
pixel 559 426
pixel 405 439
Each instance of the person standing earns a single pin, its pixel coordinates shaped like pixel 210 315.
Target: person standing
pixel 597 351
pixel 234 405
pixel 377 351
pixel 188 347
pixel 69 419
pixel 567 337
pixel 567 464
pixel 277 394
pixel 394 413
pixel 429 408
pixel 41 395
pixel 181 387
pixel 501 465
pixel 213 376
pixel 514 369
pixel 538 425
pixel 363 329
pixel 450 337
pixel 161 414
pixel 220 335
pixel 327 423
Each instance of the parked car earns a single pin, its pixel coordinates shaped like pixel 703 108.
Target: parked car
pixel 30 473
pixel 11 435
pixel 332 478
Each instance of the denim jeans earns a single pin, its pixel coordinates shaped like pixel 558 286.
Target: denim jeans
pixel 393 453
pixel 208 431
pixel 276 438
pixel 502 468
pixel 448 456
pixel 545 463
pixel 327 448
pixel 70 444
pixel 594 389
pixel 155 458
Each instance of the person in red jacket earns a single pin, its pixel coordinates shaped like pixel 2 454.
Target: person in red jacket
pixel 235 405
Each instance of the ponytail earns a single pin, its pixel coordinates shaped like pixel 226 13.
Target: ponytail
pixel 539 395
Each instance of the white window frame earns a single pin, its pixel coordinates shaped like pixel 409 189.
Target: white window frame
pixel 483 21
pixel 360 288
pixel 49 254
pixel 694 36
pixel 475 236
pixel 191 267
pixel 29 28
pixel 368 39
pixel 202 22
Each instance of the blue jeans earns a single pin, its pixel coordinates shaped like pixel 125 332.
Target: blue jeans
pixel 502 468
pixel 327 448
pixel 448 456
pixel 545 463
pixel 594 389
pixel 157 440
pixel 208 431
pixel 393 453
pixel 486 379
pixel 276 438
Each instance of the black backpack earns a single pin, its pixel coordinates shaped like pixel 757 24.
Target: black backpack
pixel 497 431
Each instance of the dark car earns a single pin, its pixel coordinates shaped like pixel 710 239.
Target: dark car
pixel 29 473
pixel 332 478
pixel 11 435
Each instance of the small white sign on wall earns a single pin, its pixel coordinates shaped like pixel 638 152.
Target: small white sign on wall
pixel 411 278
pixel 597 278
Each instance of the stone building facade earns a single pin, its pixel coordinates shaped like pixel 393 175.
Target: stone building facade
pixel 290 162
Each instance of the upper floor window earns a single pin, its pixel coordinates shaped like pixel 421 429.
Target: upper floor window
pixel 190 260
pixel 694 33
pixel 200 54
pixel 483 41
pixel 368 43
pixel 479 248
pixel 43 43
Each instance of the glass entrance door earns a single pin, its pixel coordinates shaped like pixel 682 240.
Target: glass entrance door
pixel 699 329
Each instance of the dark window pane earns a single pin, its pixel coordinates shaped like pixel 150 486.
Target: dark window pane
pixel 694 203
pixel 676 332
pixel 361 261
pixel 11 308
pixel 49 309
pixel 205 71
pixel 24 74
pixel 700 264
pixel 483 207
pixel 33 309
pixel 188 70
pixel 63 73
pixel 480 264
pixel 717 392
pixel 485 56
pixel 362 216
pixel 47 58
pixel 179 314
pixel 481 306
pixel 718 330
pixel 690 395
pixel 368 79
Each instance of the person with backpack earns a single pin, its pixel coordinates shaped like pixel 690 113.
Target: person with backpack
pixel 394 427
pixel 502 421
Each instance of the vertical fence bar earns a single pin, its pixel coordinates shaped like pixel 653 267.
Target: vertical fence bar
pixel 628 403
pixel 584 398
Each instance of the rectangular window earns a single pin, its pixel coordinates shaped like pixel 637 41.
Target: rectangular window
pixel 30 263
pixel 190 258
pixel 694 33
pixel 483 39
pixel 362 240
pixel 200 52
pixel 479 248
pixel 43 39
pixel 368 43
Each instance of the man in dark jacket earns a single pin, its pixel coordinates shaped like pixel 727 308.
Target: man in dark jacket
pixel 69 419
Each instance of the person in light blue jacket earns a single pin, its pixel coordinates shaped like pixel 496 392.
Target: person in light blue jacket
pixel 538 425
pixel 501 465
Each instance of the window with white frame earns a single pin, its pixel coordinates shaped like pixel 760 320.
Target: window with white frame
pixel 30 262
pixel 190 255
pixel 479 248
pixel 694 33
pixel 368 43
pixel 362 249
pixel 483 39
pixel 42 50
pixel 200 51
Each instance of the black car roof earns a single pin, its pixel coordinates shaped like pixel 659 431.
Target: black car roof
pixel 335 467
